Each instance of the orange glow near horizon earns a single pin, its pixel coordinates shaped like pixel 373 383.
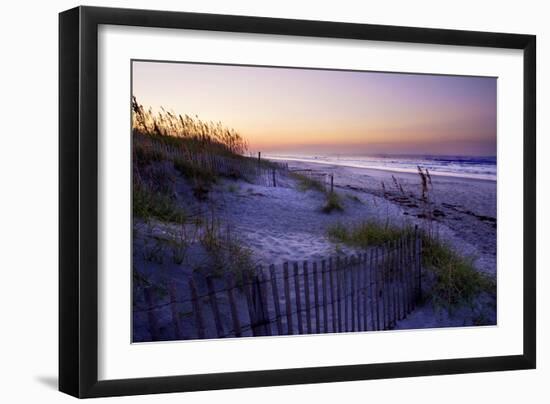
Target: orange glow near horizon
pixel 285 110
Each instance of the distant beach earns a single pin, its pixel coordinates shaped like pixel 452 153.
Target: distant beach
pixel 478 167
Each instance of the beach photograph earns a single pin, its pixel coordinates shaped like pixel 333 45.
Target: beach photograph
pixel 280 201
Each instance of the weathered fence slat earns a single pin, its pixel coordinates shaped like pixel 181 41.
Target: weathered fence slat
pixel 419 255
pixel 345 275
pixel 316 298
pixel 214 305
pixel 199 322
pixel 395 265
pixel 367 312
pixel 288 301
pixel 395 291
pixel 247 288
pixel 366 294
pixel 276 303
pixel 362 292
pixel 332 299
pixel 390 285
pixel 264 309
pixel 324 283
pixel 298 299
pixel 402 284
pixel 411 274
pixel 307 297
pixel 406 297
pixel 353 297
pixel 230 285
pixel 398 290
pixel 374 289
pixel 405 275
pixel 385 284
pixel 338 292
pixel 417 258
pixel 151 318
pixel 402 279
pixel 176 320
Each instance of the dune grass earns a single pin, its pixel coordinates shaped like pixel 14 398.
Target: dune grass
pixel 150 204
pixel 454 279
pixel 226 250
pixel 333 203
pixel 199 135
pixel 366 234
pixel 200 151
pixel 307 183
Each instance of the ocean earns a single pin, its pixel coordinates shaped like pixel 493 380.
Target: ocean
pixel 455 166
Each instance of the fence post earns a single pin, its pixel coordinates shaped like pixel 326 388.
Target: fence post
pixel 331 182
pixel 306 293
pixel 199 322
pixel 174 309
pixel 395 282
pixel 376 296
pixel 353 296
pixel 417 258
pixel 324 283
pixel 385 300
pixel 400 276
pixel 411 274
pixel 389 284
pixel 393 271
pixel 332 300
pixel 406 274
pixel 230 284
pixel 316 298
pixel 338 292
pixel 151 318
pixel 420 268
pixel 248 285
pixel 365 294
pixel 274 182
pixel 370 257
pixel 360 292
pixel 298 299
pixel 214 305
pixel 264 309
pixel 287 300
pixel 345 293
pixel 257 307
pixel 276 302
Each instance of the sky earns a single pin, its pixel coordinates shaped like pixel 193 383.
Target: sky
pixel 308 111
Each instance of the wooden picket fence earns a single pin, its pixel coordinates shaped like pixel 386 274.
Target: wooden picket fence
pixel 369 291
pixel 324 178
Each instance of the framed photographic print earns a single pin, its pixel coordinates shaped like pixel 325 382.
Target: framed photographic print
pixel 250 201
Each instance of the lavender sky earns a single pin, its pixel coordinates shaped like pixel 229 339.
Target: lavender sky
pixel 281 110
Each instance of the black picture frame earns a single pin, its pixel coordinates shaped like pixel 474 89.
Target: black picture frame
pixel 78 201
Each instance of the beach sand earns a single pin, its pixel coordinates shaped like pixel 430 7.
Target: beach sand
pixel 286 224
